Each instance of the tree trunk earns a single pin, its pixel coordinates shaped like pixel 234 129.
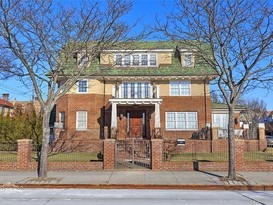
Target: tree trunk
pixel 231 144
pixel 42 165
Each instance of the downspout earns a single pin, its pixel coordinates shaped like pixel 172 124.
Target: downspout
pixel 205 101
pixel 103 109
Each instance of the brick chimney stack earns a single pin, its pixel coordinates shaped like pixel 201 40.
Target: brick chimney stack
pixel 6 96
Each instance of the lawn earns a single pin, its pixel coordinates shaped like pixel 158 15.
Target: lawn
pixel 221 157
pixel 71 157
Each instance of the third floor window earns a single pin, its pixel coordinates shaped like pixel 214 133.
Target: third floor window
pixel 138 60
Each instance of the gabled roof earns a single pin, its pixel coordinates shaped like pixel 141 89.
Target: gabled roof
pixel 175 69
pixel 4 103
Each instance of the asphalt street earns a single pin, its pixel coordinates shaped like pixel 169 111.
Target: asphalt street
pixel 17 196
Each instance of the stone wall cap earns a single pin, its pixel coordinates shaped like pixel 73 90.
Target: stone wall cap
pixel 24 140
pixel 109 140
pixel 156 140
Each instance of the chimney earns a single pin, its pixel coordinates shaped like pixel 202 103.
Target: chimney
pixel 6 96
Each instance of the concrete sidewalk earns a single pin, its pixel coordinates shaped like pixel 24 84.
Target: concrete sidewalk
pixel 138 179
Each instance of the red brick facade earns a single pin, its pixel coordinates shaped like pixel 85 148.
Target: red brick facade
pixel 99 115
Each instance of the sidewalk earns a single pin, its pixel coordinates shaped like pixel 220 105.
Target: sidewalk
pixel 138 180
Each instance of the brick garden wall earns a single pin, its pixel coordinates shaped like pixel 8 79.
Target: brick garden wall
pixel 24 161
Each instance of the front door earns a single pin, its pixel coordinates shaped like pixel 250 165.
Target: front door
pixel 136 124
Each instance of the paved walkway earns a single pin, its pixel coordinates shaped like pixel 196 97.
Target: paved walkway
pixel 138 179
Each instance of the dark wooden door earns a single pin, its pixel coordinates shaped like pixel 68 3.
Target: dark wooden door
pixel 136 124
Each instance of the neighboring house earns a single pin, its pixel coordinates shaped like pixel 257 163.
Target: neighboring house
pixel 220 118
pixel 5 106
pixel 152 90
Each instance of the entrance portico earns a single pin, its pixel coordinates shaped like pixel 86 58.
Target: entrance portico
pixel 137 113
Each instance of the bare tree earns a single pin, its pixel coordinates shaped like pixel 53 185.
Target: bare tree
pixel 255 111
pixel 234 38
pixel 42 37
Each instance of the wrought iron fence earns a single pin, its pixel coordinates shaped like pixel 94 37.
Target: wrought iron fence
pixel 194 150
pixel 72 151
pixel 132 154
pixel 8 151
pixel 254 154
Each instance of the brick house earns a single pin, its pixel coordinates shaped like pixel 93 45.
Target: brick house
pixel 150 90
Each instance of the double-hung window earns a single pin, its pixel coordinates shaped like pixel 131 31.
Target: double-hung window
pixel 152 59
pixel 136 60
pixel 119 59
pixel 180 88
pixel 62 119
pixel 81 120
pixel 127 60
pixel 144 59
pixel 181 121
pixel 82 86
pixel 188 60
pixel 83 60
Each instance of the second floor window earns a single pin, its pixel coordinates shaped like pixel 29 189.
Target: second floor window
pixel 180 88
pixel 82 86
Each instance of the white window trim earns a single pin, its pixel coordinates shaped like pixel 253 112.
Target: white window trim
pixel 77 123
pixel 177 129
pixel 131 59
pixel 78 90
pixel 170 87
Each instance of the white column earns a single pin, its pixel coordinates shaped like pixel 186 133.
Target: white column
pixel 114 115
pixel 157 115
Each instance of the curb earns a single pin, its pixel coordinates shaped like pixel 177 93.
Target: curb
pixel 140 186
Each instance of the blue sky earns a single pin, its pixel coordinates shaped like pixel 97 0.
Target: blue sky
pixel 144 10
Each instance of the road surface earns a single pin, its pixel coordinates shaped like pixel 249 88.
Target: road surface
pixel 15 196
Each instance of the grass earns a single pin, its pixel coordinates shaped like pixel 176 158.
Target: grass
pixel 192 157
pixel 222 157
pixel 71 157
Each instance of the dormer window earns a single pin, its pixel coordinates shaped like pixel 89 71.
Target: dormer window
pixel 152 59
pixel 127 60
pixel 138 60
pixel 83 60
pixel 188 60
pixel 144 59
pixel 119 59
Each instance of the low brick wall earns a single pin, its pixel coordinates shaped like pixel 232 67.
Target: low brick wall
pixel 8 166
pixel 200 146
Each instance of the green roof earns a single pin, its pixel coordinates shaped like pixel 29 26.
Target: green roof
pixel 223 106
pixel 175 69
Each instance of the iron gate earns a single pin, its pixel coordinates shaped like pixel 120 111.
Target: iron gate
pixel 132 154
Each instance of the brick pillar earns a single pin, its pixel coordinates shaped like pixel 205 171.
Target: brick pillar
pixel 157 147
pixel 214 133
pixel 24 153
pixel 239 155
pixel 109 154
pixel 261 137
